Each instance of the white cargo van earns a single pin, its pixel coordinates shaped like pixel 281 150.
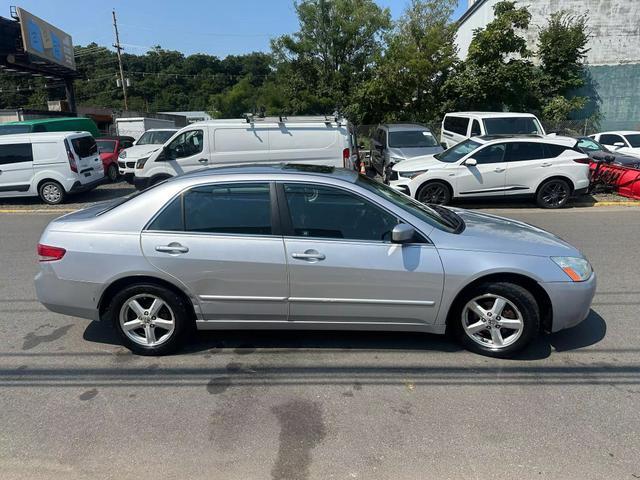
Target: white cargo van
pixel 306 140
pixel 459 126
pixel 49 165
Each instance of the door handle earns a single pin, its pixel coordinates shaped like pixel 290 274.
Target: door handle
pixel 173 247
pixel 499 169
pixel 203 160
pixel 309 255
pixel 546 164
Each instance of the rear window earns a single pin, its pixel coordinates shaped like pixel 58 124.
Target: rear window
pixel 512 126
pixel 84 146
pixel 457 125
pixel 15 153
pixel 106 146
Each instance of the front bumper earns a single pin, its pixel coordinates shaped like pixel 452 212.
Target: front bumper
pixel 141 183
pixel 570 301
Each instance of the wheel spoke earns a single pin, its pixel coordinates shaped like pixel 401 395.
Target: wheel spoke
pixel 476 327
pixel 498 306
pixel 149 334
pixel 162 323
pixel 136 307
pixel 496 337
pixel 132 325
pixel 155 307
pixel 512 324
pixel 477 309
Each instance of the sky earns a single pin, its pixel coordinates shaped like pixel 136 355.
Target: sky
pixel 216 27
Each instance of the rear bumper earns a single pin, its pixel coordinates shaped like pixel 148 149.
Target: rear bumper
pixel 570 301
pixel 581 191
pixel 77 299
pixel 78 187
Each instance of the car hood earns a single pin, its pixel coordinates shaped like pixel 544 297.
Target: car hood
pixel 407 153
pixel 139 151
pixel 490 233
pixel 618 158
pixel 418 163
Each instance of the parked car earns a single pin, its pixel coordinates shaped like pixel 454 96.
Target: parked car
pixel 624 141
pixel 459 126
pixel 393 143
pixel 60 124
pixel 48 165
pixel 550 169
pixel 306 247
pixel 136 126
pixel 598 153
pixel 322 140
pixel 149 141
pixel 109 148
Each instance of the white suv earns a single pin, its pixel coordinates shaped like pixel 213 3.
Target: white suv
pixel 624 141
pixel 550 169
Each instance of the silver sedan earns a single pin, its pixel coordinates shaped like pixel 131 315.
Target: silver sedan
pixel 300 247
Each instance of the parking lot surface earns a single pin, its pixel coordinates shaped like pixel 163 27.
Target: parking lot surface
pixel 321 405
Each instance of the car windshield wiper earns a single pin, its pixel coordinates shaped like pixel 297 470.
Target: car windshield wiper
pixel 451 218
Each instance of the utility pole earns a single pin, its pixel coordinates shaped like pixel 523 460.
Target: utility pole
pixel 118 48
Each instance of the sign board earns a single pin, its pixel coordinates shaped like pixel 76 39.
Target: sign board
pixel 45 41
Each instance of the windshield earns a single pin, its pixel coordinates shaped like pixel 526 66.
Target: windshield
pixel 412 139
pixel 634 140
pixel 155 138
pixel 458 151
pixel 10 129
pixel 590 145
pixel 512 126
pixel 443 219
pixel 106 146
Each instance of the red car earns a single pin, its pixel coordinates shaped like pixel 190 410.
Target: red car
pixel 109 149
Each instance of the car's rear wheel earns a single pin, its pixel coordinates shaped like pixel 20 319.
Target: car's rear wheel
pixel 150 319
pixel 112 173
pixel 496 319
pixel 434 192
pixel 51 192
pixel 553 193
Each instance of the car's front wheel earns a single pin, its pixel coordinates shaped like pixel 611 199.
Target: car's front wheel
pixel 496 319
pixel 112 173
pixel 434 192
pixel 150 319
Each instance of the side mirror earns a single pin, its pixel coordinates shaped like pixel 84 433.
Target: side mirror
pixel 471 162
pixel 402 233
pixel 618 144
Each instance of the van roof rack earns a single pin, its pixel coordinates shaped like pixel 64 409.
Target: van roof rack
pixel 251 118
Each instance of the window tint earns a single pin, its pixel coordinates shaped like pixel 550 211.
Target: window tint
pixel 490 154
pixel 10 129
pixel 609 139
pixel 475 129
pixel 458 151
pixel 634 140
pixel 412 139
pixel 15 153
pixel 326 212
pixel 587 144
pixel 84 146
pixel 171 217
pixel 522 151
pixel 512 126
pixel 237 208
pixel 457 125
pixel 106 146
pixel 552 151
pixel 186 144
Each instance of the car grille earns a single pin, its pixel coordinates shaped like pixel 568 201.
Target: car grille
pixel 131 164
pixel 121 164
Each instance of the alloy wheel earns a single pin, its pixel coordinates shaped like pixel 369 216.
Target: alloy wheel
pixel 147 320
pixel 492 321
pixel 51 193
pixel 435 193
pixel 554 194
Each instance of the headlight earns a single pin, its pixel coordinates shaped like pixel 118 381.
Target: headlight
pixel 141 161
pixel 413 174
pixel 577 269
pixel 123 154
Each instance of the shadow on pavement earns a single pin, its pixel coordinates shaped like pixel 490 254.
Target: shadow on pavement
pixel 103 192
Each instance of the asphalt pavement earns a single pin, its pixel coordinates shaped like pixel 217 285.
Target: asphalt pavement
pixel 317 405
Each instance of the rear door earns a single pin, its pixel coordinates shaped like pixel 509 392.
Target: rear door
pixel 487 178
pixel 16 166
pixel 527 163
pixel 343 270
pixel 379 142
pixel 88 161
pixel 219 240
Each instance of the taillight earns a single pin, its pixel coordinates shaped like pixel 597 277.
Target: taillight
pixel 585 160
pixel 47 253
pixel 346 155
pixel 71 158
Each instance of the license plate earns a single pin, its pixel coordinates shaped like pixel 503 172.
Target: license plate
pixel 87 174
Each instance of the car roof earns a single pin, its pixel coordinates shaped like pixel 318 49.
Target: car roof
pixel 257 169
pixel 620 132
pixel 40 121
pixel 43 135
pixel 116 137
pixel 168 129
pixel 555 139
pixel 494 114
pixel 394 127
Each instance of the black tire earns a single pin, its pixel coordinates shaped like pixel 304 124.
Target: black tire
pixel 554 193
pixel 112 173
pixel 434 192
pixel 176 304
pixel 51 192
pixel 523 301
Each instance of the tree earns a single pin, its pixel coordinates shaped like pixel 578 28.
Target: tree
pixel 498 73
pixel 410 75
pixel 331 54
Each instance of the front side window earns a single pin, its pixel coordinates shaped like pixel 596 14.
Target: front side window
pixel 490 154
pixel 458 151
pixel 412 139
pixel 326 212
pixel 633 140
pixel 241 209
pixel 523 151
pixel 186 144
pixel 609 139
pixel 512 126
pixel 475 129
pixel 155 138
pixel 15 153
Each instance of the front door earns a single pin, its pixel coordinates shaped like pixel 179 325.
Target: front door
pixel 16 167
pixel 188 151
pixel 487 177
pixel 343 269
pixel 219 242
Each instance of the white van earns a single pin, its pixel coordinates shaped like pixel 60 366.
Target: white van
pixel 49 165
pixel 458 126
pixel 307 140
pixel 149 141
